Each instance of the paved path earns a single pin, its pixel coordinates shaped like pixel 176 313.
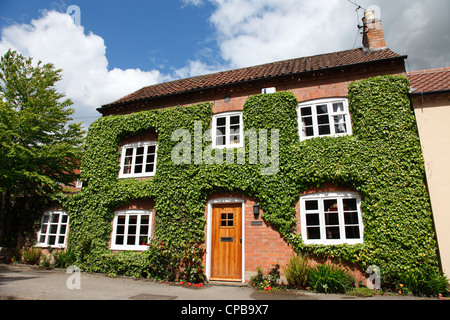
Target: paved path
pixel 22 282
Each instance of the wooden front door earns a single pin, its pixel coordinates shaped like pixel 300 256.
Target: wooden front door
pixel 226 244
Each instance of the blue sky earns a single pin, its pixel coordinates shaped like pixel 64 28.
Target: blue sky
pixel 122 46
pixel 137 34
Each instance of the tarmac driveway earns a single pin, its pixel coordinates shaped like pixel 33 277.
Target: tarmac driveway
pixel 22 282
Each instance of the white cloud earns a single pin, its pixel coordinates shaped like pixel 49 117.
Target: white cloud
pixel 86 79
pixel 251 32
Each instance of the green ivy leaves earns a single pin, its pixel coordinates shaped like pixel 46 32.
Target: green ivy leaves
pixel 382 160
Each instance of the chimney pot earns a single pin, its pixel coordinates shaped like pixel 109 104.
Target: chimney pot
pixel 373 36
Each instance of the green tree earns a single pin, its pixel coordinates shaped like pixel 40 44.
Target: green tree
pixel 40 146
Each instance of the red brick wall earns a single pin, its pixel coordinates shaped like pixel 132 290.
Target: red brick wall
pixel 264 246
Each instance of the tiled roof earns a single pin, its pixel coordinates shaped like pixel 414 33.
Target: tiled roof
pixel 429 80
pixel 260 72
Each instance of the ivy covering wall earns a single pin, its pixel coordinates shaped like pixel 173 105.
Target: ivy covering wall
pixel 382 160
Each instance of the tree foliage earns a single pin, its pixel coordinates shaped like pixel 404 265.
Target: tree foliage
pixel 40 146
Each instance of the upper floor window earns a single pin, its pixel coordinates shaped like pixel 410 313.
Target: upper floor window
pixel 53 231
pixel 131 230
pixel 138 159
pixel 327 117
pixel 331 218
pixel 227 130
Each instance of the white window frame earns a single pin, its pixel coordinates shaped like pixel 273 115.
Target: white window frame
pixel 134 146
pixel 228 133
pixel 55 224
pixel 339 196
pixel 137 246
pixel 331 114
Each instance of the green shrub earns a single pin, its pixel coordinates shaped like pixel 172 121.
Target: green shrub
pixel 296 272
pixel 421 283
pixel 63 259
pixel 329 278
pixel 266 282
pixel 31 255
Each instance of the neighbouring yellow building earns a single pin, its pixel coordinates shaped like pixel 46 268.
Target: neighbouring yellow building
pixel 430 94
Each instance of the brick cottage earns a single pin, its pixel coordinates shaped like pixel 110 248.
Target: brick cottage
pixel 237 237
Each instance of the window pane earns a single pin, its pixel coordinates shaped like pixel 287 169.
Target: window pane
pixel 138 169
pixel 131 230
pixel 330 205
pixel 119 240
pixel 351 217
pixel 307 121
pixel 333 233
pixel 352 232
pixel 51 240
pixel 331 218
pixel 220 141
pixel 234 129
pixel 45 218
pixel 120 230
pixel 55 218
pixel 53 228
pixel 149 168
pixel 44 228
pixel 131 240
pixel 339 124
pixel 322 109
pixel 139 159
pixel 324 130
pixel 145 219
pixel 234 139
pixel 151 149
pixel 350 204
pixel 42 239
pixel 221 121
pixel 62 229
pixel 61 239
pixel 132 220
pixel 234 120
pixel 140 151
pixel 151 158
pixel 313 233
pixel 323 120
pixel 312 220
pixel 338 107
pixel 309 132
pixel 121 220
pixel 311 205
pixel 143 240
pixel 306 111
pixel 143 230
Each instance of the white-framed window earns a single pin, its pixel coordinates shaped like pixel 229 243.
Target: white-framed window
pixel 227 130
pixel 138 159
pixel 331 218
pixel 131 230
pixel 53 230
pixel 325 117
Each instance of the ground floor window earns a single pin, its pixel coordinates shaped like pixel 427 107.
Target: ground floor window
pixel 131 230
pixel 331 218
pixel 53 231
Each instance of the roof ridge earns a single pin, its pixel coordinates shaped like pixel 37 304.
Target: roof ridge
pixel 258 72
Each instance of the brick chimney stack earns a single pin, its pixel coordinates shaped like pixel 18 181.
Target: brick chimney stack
pixel 373 36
